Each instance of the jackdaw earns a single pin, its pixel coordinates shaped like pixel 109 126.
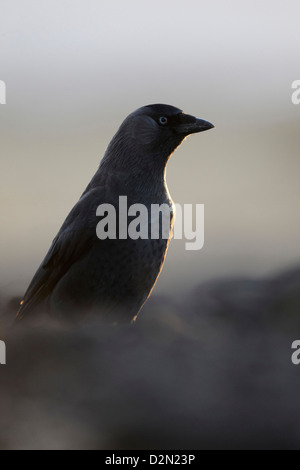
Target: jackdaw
pixel 113 277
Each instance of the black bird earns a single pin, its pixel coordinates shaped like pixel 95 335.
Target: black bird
pixel 112 278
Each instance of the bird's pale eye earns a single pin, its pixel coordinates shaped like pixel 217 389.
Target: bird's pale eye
pixel 163 120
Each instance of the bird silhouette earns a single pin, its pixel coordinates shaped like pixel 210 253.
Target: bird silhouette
pixel 112 277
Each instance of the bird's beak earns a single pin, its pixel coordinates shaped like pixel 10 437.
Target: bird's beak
pixel 191 125
pixel 201 125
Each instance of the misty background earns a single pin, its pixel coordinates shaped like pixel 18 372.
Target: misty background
pixel 208 364
pixel 74 70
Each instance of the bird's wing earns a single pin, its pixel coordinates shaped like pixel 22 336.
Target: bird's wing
pixel 73 241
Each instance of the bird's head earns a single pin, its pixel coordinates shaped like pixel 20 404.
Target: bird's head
pixel 147 138
pixel 161 128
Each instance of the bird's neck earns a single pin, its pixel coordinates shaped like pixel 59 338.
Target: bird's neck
pixel 131 173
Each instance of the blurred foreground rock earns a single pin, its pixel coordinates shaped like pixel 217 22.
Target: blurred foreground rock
pixel 212 371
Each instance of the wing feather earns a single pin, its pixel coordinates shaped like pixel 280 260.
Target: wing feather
pixel 73 241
